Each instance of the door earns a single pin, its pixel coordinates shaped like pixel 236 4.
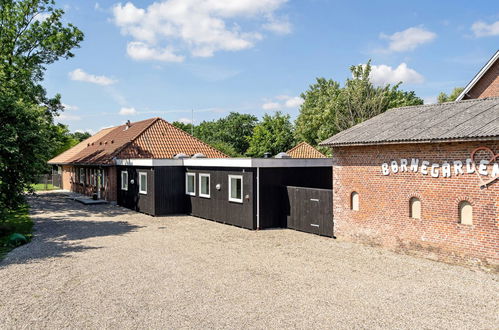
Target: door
pixel 310 210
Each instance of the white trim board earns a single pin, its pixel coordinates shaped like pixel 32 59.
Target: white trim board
pixel 230 162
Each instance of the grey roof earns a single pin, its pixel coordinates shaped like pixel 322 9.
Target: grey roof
pixel 476 119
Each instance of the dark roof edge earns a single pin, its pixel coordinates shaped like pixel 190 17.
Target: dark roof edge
pixel 361 144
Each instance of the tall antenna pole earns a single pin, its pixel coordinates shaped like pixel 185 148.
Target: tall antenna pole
pixel 192 122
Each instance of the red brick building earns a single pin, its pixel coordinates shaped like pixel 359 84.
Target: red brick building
pixel 422 179
pixel 485 83
pixel 90 166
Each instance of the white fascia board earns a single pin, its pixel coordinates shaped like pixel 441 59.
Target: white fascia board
pixel 149 162
pixel 218 162
pixel 292 162
pixel 230 162
pixel 478 76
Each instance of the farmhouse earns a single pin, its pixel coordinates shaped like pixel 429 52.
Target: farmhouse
pixel 89 167
pixel 423 179
pixel 250 193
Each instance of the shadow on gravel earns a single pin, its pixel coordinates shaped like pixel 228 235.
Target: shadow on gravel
pixel 59 236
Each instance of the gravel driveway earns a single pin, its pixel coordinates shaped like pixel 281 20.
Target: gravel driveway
pixel 105 266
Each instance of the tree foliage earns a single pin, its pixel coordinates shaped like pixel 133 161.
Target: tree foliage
pixel 329 108
pixel 273 134
pixel 32 35
pixel 229 134
pixel 442 97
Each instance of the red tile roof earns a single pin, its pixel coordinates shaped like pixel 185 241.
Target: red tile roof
pixel 304 150
pixel 150 138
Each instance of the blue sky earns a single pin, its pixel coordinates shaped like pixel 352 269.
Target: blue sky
pixel 144 59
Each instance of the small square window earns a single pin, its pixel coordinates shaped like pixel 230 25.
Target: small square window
pixel 124 180
pixel 236 188
pixel 204 185
pixel 142 183
pixel 190 184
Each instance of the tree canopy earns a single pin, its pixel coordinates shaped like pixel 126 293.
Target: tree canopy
pixel 442 97
pixel 329 108
pixel 273 134
pixel 32 36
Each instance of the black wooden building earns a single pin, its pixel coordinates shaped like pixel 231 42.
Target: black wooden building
pixel 245 192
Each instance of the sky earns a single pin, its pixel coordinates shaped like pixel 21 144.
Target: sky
pixel 167 58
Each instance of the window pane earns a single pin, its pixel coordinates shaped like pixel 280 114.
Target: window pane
pixel 235 188
pixel 465 213
pixel 205 185
pixel 190 183
pixel 143 182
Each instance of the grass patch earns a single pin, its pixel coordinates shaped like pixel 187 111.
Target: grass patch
pixel 42 186
pixel 15 221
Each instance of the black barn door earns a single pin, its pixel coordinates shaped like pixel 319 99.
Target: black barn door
pixel 310 210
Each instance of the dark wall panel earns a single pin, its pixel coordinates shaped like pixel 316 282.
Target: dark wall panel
pixel 273 193
pixel 131 198
pixel 218 207
pixel 170 190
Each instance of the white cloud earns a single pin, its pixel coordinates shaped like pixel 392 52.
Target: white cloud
pixel 285 101
pixel 40 17
pixel 384 74
pixel 142 51
pixel 200 27
pixel 408 39
pixel 69 107
pixel 294 102
pixel 128 111
pixel 80 75
pixel 482 29
pixel 271 106
pixel 185 120
pixel 278 26
pixel 430 100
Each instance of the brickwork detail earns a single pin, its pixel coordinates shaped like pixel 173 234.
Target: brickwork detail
pixel 487 86
pixel 383 218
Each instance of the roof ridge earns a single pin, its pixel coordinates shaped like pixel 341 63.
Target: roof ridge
pixel 153 120
pixel 444 103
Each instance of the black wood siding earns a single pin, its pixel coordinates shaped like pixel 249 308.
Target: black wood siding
pixel 273 193
pixel 309 210
pixel 131 198
pixel 218 207
pixel 170 197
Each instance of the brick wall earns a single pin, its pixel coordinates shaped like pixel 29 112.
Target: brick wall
pixel 67 172
pixel 383 218
pixel 487 86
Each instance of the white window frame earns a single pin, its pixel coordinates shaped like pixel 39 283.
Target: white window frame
pixel 204 175
pixel 141 191
pixel 232 199
pixel 125 186
pixel 187 192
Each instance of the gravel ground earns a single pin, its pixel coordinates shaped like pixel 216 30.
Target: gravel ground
pixel 103 266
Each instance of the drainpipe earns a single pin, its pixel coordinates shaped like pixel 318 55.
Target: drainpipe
pixel 257 198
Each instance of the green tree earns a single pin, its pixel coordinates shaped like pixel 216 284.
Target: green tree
pixel 273 134
pixel 80 136
pixel 442 97
pixel 229 134
pixel 32 36
pixel 329 108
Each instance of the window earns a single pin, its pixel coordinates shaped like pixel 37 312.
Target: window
pixel 124 180
pixel 465 213
pixel 142 183
pixel 415 208
pixel 82 175
pixel 236 188
pixel 204 185
pixel 354 201
pixel 190 184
